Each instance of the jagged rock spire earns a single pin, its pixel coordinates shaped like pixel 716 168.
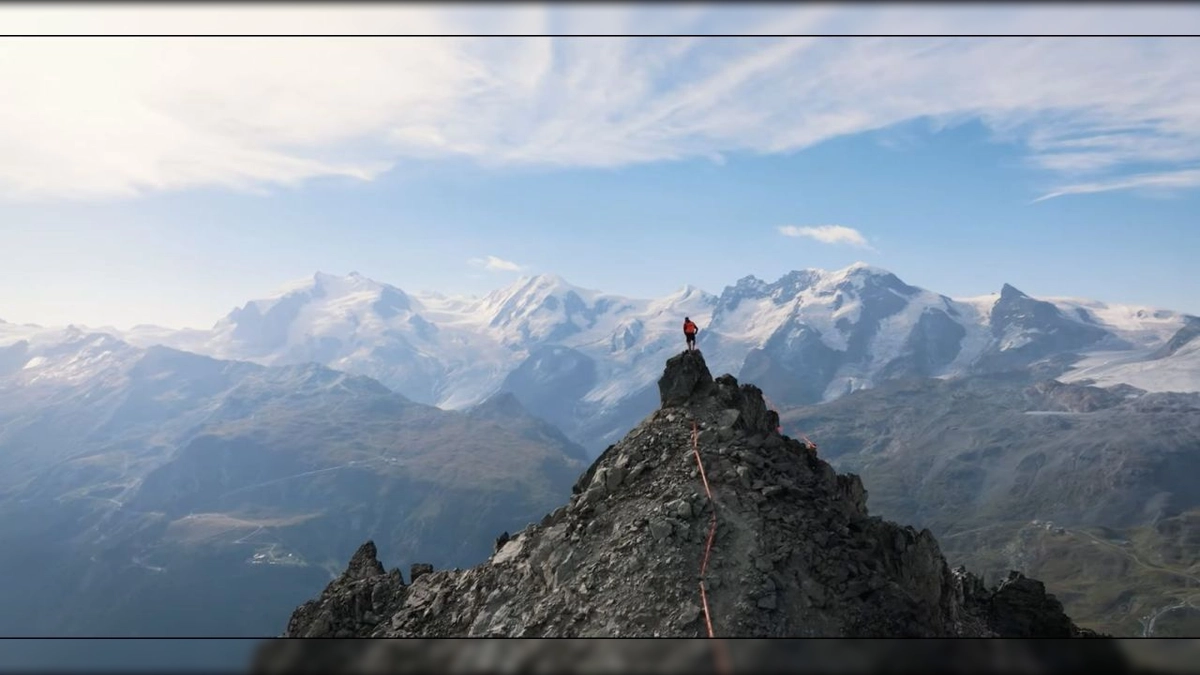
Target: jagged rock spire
pixel 686 379
pixel 364 564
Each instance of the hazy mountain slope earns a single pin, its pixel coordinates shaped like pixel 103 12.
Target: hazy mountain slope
pixel 978 460
pixel 160 492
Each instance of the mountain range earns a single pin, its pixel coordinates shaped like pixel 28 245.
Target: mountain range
pixel 157 492
pixel 143 464
pixel 586 361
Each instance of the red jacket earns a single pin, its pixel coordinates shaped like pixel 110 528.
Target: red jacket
pixel 689 328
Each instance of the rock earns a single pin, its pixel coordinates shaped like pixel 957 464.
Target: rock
pixel 813 590
pixel 500 542
pixel 419 570
pixel 771 490
pixel 679 508
pixel 1021 607
pixel 364 564
pixel 565 569
pixel 636 471
pixel 679 528
pixel 728 417
pixel 593 495
pixel 660 529
pixel 767 602
pixel 685 379
pixel 614 478
pixel 600 479
pixel 850 486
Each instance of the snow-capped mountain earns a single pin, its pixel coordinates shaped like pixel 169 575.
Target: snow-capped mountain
pixel 587 361
pixel 453 351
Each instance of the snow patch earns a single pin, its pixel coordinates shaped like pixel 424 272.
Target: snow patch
pixel 1144 327
pixel 1179 372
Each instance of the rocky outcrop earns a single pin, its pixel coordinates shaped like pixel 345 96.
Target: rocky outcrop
pixel 795 551
pixel 354 603
pixel 1021 607
pixel 685 379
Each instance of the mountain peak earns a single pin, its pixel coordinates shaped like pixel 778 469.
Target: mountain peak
pixel 548 279
pixel 541 282
pixel 793 550
pixel 348 283
pixel 856 273
pixel 862 269
pixel 1008 292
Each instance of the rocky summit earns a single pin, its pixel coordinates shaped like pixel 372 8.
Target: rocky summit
pixel 795 552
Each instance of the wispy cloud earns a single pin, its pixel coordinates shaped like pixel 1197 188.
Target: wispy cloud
pixel 114 118
pixel 827 234
pixel 493 264
pixel 1160 182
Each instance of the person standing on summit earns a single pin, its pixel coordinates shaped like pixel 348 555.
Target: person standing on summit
pixel 689 332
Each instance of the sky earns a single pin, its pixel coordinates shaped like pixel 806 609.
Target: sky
pixel 168 180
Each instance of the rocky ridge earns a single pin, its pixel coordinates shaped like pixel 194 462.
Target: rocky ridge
pixel 795 551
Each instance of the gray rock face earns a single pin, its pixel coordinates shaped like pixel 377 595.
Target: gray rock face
pixel 1022 607
pixel 795 551
pixel 353 603
pixel 685 379
pixel 419 570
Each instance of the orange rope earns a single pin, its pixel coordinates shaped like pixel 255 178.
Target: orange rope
pixel 779 429
pixel 721 655
pixel 712 526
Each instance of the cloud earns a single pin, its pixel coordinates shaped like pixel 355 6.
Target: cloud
pixel 1160 182
pixel 92 118
pixel 827 234
pixel 493 264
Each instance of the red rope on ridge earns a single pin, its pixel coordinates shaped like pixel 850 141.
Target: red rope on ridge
pixel 712 527
pixel 721 656
pixel 779 429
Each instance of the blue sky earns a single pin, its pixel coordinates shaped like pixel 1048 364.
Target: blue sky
pixel 166 182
